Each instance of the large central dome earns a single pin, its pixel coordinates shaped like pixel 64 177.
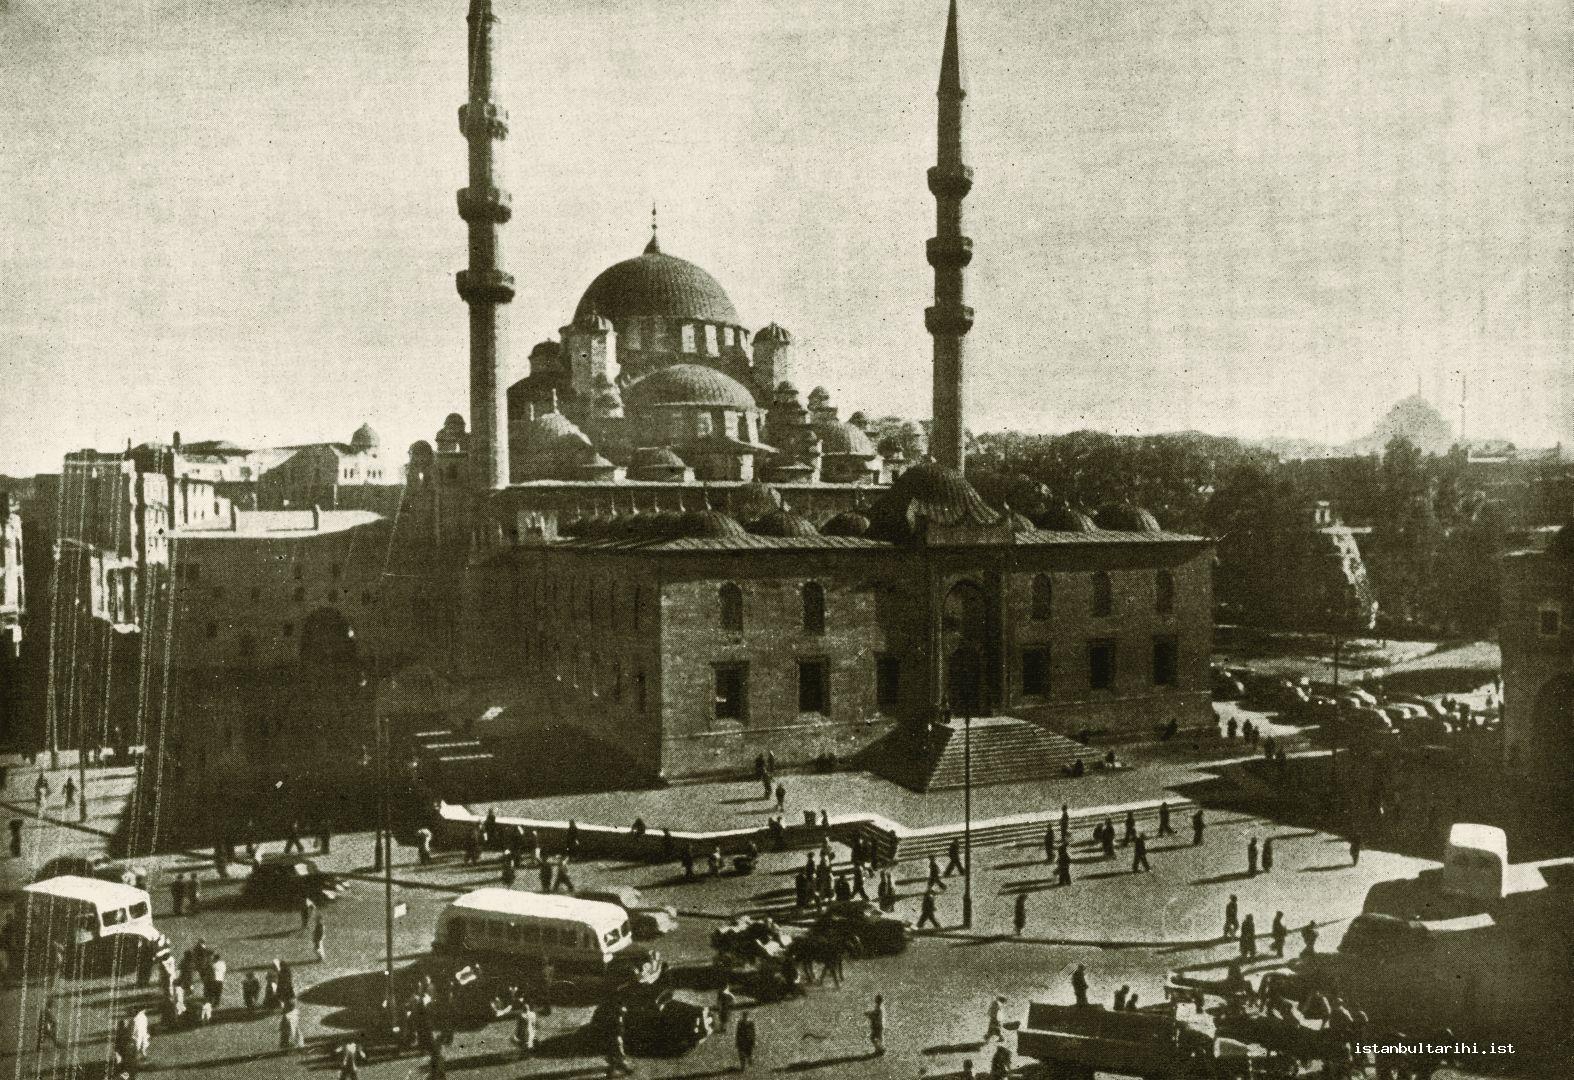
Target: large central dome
pixel 659 285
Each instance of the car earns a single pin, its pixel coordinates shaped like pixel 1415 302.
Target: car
pixel 1401 711
pixel 860 929
pixel 1424 728
pixel 645 920
pixel 286 880
pixel 657 1022
pixel 93 866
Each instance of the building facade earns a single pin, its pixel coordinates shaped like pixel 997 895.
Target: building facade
pixel 1537 638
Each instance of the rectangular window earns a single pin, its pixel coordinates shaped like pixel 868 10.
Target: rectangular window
pixel 1101 665
pixel 1166 661
pixel 732 692
pixel 687 331
pixel 887 682
pixel 710 340
pixel 814 687
pixel 1551 621
pixel 1035 671
pixel 631 331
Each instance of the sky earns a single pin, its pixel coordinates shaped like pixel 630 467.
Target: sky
pixel 1250 217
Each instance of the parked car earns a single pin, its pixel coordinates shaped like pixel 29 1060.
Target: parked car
pixel 657 1022
pixel 1359 723
pixel 286 880
pixel 645 920
pixel 92 866
pixel 861 929
pixel 1432 708
pixel 1424 728
pixel 1226 687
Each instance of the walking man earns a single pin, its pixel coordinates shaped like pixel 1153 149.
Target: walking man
pixel 69 790
pixel 1267 855
pixel 745 1040
pixel 1278 931
pixel 1065 822
pixel 1019 915
pixel 781 798
pixel 1165 829
pixel 307 910
pixel 992 1029
pixel 876 1017
pixel 1079 984
pixel 1249 937
pixel 1309 939
pixel 525 1029
pixel 1251 857
pixel 193 893
pixel 1049 843
pixel 1355 850
pixel 954 858
pixel 1196 828
pixel 1232 920
pixel 177 894
pixel 1131 829
pixel 1063 866
pixel 1139 856
pixel 351 1058
pixel 934 874
pixel 926 912
pixel 319 934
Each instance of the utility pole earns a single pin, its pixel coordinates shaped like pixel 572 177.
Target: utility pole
pixel 385 850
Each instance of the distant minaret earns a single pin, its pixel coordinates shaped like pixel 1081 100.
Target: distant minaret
pixel 949 253
pixel 484 286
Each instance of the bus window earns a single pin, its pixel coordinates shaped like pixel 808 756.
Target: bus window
pixel 139 910
pixel 116 917
pixel 612 937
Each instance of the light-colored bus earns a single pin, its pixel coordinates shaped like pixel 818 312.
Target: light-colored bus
pixel 78 912
pixel 578 938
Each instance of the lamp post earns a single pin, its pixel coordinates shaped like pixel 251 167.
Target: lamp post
pixel 385 855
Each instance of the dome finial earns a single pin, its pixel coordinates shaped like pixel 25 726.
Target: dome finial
pixel 654 247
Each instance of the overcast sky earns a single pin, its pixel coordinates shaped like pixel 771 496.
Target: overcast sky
pixel 1260 218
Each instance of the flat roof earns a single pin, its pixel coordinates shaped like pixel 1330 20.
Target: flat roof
pixel 110 894
pixel 277 524
pixel 496 900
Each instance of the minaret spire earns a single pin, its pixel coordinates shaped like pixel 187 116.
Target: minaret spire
pixel 484 285
pixel 949 320
pixel 654 247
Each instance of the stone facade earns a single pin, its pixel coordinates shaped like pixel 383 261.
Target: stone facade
pixel 1537 638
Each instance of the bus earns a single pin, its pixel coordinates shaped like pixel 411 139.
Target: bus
pixel 575 938
pixel 84 917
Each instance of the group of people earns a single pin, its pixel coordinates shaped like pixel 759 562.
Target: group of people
pixel 1245 930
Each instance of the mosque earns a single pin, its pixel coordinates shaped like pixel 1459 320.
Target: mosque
pixel 656 541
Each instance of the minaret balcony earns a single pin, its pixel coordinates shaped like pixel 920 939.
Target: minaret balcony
pixel 949 251
pixel 948 321
pixel 485 286
pixel 950 181
pixel 483 118
pixel 485 204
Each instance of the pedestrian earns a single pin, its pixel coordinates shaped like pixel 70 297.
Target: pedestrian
pixel 351 1058
pixel 1109 839
pixel 1139 856
pixel 1249 937
pixel 218 968
pixel 1131 828
pixel 1049 842
pixel 177 894
pixel 572 838
pixel 713 860
pixel 1019 914
pixel 525 1029
pixel 1063 866
pixel 876 1018
pixel 270 989
pixel 1230 729
pixel 926 911
pixel 1065 822
pixel 69 790
pixel 473 846
pixel 324 838
pixel 193 893
pixel 286 982
pixel 934 875
pixel 290 1027
pixel 770 762
pixel 544 874
pixel 250 991
pixel 1251 857
pixel 507 874
pixel 745 1040
pixel 778 833
pixel 1121 995
pixel 1309 939
pixel 1000 1063
pixel 768 785
pixel 1165 829
pixel 759 766
pixel 307 910
pixel 726 1000
pixel 1355 850
pixel 1267 855
pixel 292 843
pixel 319 935
pixel 992 1029
pixel 858 882
pixel 562 875
pixel 781 798
pixel 41 791
pixel 423 845
pixel 1079 984
pixel 1196 828
pixel 1278 932
pixel 954 858
pixel 1232 921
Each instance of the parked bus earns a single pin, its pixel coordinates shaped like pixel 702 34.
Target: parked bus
pixel 578 939
pixel 85 917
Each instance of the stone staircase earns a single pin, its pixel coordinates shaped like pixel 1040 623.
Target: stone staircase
pixel 455 768
pixel 1004 750
pixel 1027 830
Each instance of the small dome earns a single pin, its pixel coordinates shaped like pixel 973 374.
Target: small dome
pixel 1125 517
pixel 844 437
pixel 1562 544
pixel 847 523
pixel 783 523
pixel 928 492
pixel 655 457
pixel 688 384
pixel 819 397
pixel 753 500
pixel 421 454
pixel 660 285
pixel 773 333
pixel 364 438
pixel 708 524
pixel 1063 517
pixel 891 449
pixel 454 424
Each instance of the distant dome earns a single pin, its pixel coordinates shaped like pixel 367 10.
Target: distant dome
pixel 753 500
pixel 846 523
pixel 773 333
pixel 709 524
pixel 928 492
pixel 550 430
pixel 421 454
pixel 655 457
pixel 1562 545
pixel 453 423
pixel 364 438
pixel 688 384
pixel 1063 517
pixel 844 437
pixel 659 285
pixel 1124 517
pixel 783 523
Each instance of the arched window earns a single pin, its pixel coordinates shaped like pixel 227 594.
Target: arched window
pixel 1042 596
pixel 1103 594
pixel 731 608
pixel 813 608
pixel 1164 592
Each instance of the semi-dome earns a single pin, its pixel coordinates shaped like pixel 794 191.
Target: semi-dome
pixel 1061 516
pixel 1125 517
pixel 364 438
pixel 844 437
pixel 783 523
pixel 550 430
pixel 660 285
pixel 688 384
pixel 928 492
pixel 847 523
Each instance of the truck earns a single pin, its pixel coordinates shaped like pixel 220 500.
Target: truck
pixel 1076 1041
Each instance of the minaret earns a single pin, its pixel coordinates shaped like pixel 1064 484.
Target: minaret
pixel 484 285
pixel 949 253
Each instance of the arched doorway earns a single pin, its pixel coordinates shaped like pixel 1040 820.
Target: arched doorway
pixel 965 640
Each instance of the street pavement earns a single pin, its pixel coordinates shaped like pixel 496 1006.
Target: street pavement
pixel 1126 928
